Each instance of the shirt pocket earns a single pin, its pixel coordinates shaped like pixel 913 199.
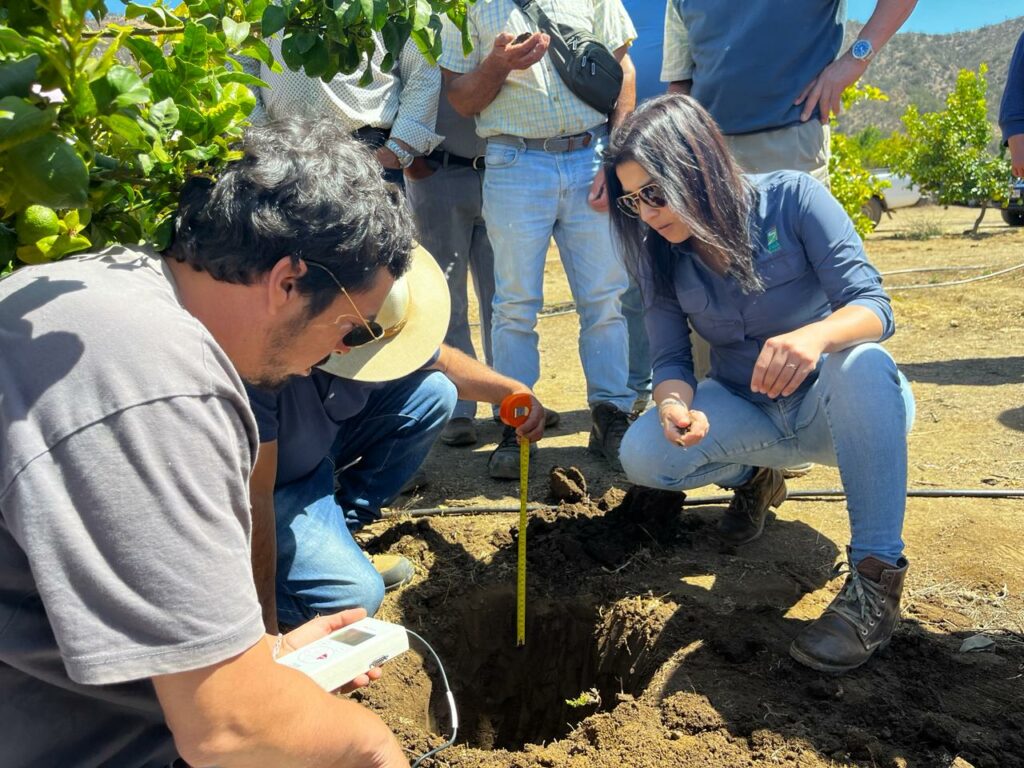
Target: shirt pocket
pixel 782 267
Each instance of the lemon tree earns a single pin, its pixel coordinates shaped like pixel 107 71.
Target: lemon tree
pixel 101 121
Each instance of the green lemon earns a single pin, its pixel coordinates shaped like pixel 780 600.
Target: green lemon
pixel 36 222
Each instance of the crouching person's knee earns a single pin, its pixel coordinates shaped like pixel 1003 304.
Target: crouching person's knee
pixel 354 585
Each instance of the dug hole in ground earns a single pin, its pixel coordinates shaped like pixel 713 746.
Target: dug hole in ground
pixel 648 644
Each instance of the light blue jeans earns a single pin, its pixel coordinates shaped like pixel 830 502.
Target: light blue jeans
pixel 529 196
pixel 320 568
pixel 639 346
pixel 855 416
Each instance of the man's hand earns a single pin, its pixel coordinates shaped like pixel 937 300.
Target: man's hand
pixel 533 428
pixel 387 159
pixel 508 55
pixel 321 627
pixel 682 426
pixel 1016 143
pixel 786 360
pixel 826 90
pixel 598 195
pixel 419 170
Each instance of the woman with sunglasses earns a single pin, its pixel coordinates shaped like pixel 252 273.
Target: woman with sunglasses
pixel 771 272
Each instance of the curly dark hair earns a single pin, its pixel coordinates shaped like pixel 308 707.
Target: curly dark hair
pixel 304 189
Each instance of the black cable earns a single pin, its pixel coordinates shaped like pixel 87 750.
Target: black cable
pixel 451 704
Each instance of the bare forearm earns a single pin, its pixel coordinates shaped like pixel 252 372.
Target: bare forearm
pixel 680 86
pixel 676 389
pixel 846 327
pixel 264 557
pixel 473 92
pixel 474 380
pixel 886 19
pixel 627 94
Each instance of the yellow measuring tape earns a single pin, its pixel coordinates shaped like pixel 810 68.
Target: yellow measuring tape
pixel 524 476
pixel 514 411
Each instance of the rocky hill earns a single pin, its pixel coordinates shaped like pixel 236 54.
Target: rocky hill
pixel 921 69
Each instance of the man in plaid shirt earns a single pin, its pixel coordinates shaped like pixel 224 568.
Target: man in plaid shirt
pixel 544 179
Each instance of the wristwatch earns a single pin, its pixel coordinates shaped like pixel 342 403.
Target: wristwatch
pixel 862 50
pixel 405 157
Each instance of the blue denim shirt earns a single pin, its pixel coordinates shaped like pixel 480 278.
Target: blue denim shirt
pixel 1011 109
pixel 812 263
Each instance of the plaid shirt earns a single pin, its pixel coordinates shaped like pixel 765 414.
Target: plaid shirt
pixel 404 99
pixel 534 103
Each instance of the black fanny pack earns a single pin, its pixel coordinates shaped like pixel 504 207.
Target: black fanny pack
pixel 585 64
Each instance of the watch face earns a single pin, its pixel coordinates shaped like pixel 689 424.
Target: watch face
pixel 861 49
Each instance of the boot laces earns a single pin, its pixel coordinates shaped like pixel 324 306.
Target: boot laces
pixel 860 601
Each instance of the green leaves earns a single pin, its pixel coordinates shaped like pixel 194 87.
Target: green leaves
pixel 135 112
pixel 48 171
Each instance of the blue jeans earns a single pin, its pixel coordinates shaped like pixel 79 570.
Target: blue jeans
pixel 639 346
pixel 529 196
pixel 845 418
pixel 320 568
pixel 447 206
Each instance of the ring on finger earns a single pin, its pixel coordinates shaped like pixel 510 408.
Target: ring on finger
pixel 794 366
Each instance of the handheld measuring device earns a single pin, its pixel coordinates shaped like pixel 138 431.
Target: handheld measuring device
pixel 348 652
pixel 514 411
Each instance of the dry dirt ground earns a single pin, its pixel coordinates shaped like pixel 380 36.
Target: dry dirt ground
pixel 673 649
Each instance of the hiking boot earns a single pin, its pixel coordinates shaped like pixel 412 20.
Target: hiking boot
pixel 459 431
pixel 743 521
pixel 860 619
pixel 395 570
pixel 609 427
pixel 504 461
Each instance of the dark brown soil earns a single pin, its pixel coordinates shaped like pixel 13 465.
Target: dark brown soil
pixel 649 644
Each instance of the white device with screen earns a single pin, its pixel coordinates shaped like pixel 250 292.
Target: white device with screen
pixel 348 652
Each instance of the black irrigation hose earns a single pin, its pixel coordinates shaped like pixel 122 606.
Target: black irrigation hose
pixel 934 493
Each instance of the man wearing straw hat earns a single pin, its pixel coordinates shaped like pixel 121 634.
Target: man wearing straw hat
pixel 338 445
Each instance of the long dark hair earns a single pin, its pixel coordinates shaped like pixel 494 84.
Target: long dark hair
pixel 677 142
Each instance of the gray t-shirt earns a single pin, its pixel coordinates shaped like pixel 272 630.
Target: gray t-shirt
pixel 126 444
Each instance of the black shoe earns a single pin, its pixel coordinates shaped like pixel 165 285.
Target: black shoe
pixel 459 431
pixel 504 461
pixel 609 427
pixel 743 521
pixel 858 622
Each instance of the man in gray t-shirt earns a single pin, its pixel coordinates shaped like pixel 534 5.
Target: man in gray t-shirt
pixel 130 631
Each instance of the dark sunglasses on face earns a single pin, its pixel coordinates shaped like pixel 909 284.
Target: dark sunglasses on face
pixel 370 331
pixel 650 195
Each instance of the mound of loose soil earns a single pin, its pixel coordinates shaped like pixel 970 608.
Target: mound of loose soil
pixel 648 644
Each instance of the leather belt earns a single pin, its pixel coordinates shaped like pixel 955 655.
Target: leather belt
pixel 444 159
pixel 554 143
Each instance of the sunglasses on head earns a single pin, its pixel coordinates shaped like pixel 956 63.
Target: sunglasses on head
pixel 650 195
pixel 371 330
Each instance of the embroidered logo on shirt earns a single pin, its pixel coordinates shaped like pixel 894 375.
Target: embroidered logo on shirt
pixel 773 240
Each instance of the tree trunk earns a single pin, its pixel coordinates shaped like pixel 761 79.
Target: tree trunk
pixel 977 223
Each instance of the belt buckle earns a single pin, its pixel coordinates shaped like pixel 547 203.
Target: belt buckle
pixel 545 146
pixel 478 159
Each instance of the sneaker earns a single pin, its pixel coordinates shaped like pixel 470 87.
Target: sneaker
pixel 797 470
pixel 609 427
pixel 743 521
pixel 504 461
pixel 459 431
pixel 395 570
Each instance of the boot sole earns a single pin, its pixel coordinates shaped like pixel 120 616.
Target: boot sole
pixel 823 666
pixel 774 503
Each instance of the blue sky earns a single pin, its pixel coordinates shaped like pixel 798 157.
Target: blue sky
pixel 930 16
pixel 943 16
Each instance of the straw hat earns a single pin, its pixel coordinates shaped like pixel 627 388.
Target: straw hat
pixel 419 305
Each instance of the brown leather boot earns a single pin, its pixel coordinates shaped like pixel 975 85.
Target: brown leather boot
pixel 743 521
pixel 860 619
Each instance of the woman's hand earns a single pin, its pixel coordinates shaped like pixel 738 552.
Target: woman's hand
pixel 786 360
pixel 682 426
pixel 321 627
